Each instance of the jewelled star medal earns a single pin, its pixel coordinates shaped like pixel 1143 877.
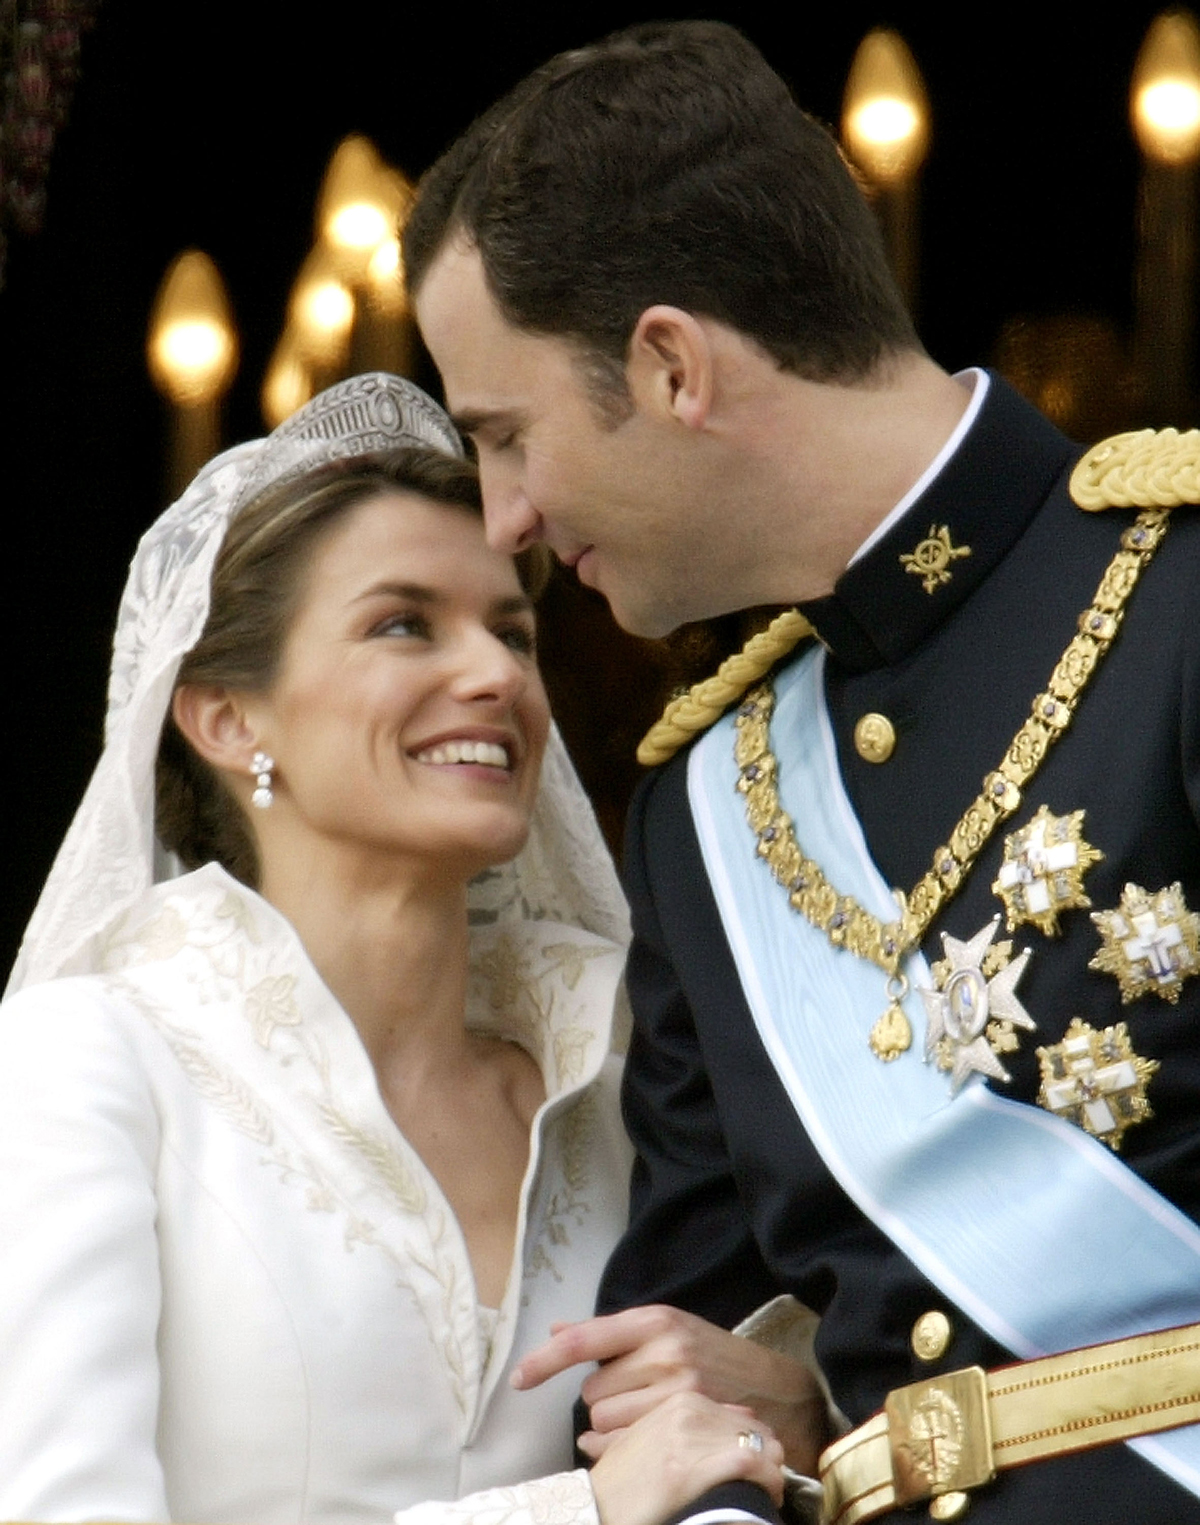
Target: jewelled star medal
pixel 973 1011
pixel 1042 872
pixel 1095 1079
pixel 1151 942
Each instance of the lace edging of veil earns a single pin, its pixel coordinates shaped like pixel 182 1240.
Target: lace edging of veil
pixel 109 856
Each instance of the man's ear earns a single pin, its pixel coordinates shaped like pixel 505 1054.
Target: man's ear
pixel 214 721
pixel 670 365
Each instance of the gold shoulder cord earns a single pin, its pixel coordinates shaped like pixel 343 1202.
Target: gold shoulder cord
pixel 1153 471
pixel 708 700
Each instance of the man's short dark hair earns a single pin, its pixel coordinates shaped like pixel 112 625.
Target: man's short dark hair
pixel 666 164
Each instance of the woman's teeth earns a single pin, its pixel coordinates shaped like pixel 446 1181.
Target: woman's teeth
pixel 486 752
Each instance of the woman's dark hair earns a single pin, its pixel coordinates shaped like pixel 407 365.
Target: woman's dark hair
pixel 257 585
pixel 667 163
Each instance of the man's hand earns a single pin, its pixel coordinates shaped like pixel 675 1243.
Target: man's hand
pixel 672 1456
pixel 647 1355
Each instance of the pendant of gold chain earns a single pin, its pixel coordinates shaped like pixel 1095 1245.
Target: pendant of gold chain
pixel 844 922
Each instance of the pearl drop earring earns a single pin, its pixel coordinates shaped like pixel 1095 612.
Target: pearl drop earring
pixel 262 765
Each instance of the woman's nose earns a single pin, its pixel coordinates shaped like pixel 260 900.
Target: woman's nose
pixel 492 669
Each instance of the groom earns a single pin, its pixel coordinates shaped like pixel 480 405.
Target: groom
pixel 958 1122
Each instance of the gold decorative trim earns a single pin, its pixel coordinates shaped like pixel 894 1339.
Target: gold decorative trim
pixel 689 714
pixel 1033 1410
pixel 840 917
pixel 932 557
pixel 1144 468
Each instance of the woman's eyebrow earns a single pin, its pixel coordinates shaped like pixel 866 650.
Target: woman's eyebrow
pixel 418 593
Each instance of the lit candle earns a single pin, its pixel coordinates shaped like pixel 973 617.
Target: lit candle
pixel 191 350
pixel 288 383
pixel 360 209
pixel 885 130
pixel 320 318
pixel 1165 110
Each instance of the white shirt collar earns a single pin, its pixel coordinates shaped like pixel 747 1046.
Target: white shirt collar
pixel 979 381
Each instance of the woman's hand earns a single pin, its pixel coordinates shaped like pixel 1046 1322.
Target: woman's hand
pixel 649 1354
pixel 675 1453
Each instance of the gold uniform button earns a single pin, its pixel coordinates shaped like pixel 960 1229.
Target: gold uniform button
pixel 874 738
pixel 931 1336
pixel 949 1506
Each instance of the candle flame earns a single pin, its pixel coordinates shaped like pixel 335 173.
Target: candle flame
pixel 885 112
pixel 1165 96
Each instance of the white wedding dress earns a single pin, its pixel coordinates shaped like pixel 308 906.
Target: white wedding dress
pixel 229 1289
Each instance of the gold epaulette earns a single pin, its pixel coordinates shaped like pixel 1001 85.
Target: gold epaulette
pixel 706 701
pixel 1146 468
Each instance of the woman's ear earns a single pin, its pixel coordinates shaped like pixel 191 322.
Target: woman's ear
pixel 671 363
pixel 213 720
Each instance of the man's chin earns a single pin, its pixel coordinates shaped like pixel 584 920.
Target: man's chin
pixel 635 616
pixel 646 624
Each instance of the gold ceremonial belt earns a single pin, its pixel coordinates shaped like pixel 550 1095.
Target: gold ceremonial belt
pixel 950 1433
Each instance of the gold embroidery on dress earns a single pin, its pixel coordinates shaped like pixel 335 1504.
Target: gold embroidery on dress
pixel 222 1088
pixel 383 1157
pixel 228 978
pixel 233 966
pixel 570 959
pixel 568 1205
pixel 271 1004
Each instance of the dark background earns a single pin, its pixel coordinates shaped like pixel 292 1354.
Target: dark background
pixel 210 125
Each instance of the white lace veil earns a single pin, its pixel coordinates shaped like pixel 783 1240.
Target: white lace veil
pixel 109 856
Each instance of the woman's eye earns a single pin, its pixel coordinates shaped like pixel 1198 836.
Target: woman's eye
pixel 403 625
pixel 519 638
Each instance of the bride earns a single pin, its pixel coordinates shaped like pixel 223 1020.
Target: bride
pixel 308 1124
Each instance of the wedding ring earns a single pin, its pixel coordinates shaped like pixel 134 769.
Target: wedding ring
pixel 750 1440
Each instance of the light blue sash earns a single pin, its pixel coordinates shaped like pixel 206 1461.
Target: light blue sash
pixel 1036 1230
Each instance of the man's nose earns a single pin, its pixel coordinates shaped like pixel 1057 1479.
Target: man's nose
pixel 511 521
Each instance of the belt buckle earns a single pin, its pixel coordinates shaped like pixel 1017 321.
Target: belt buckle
pixel 940 1435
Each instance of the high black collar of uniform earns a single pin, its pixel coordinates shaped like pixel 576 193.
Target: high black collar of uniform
pixel 983 498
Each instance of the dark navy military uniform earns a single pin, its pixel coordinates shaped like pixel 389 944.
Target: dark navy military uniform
pixel 731 1202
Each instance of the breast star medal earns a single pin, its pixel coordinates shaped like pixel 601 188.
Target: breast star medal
pixel 1043 868
pixel 973 1011
pixel 1151 942
pixel 932 557
pixel 1095 1080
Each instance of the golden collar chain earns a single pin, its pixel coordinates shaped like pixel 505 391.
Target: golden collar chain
pixel 845 923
